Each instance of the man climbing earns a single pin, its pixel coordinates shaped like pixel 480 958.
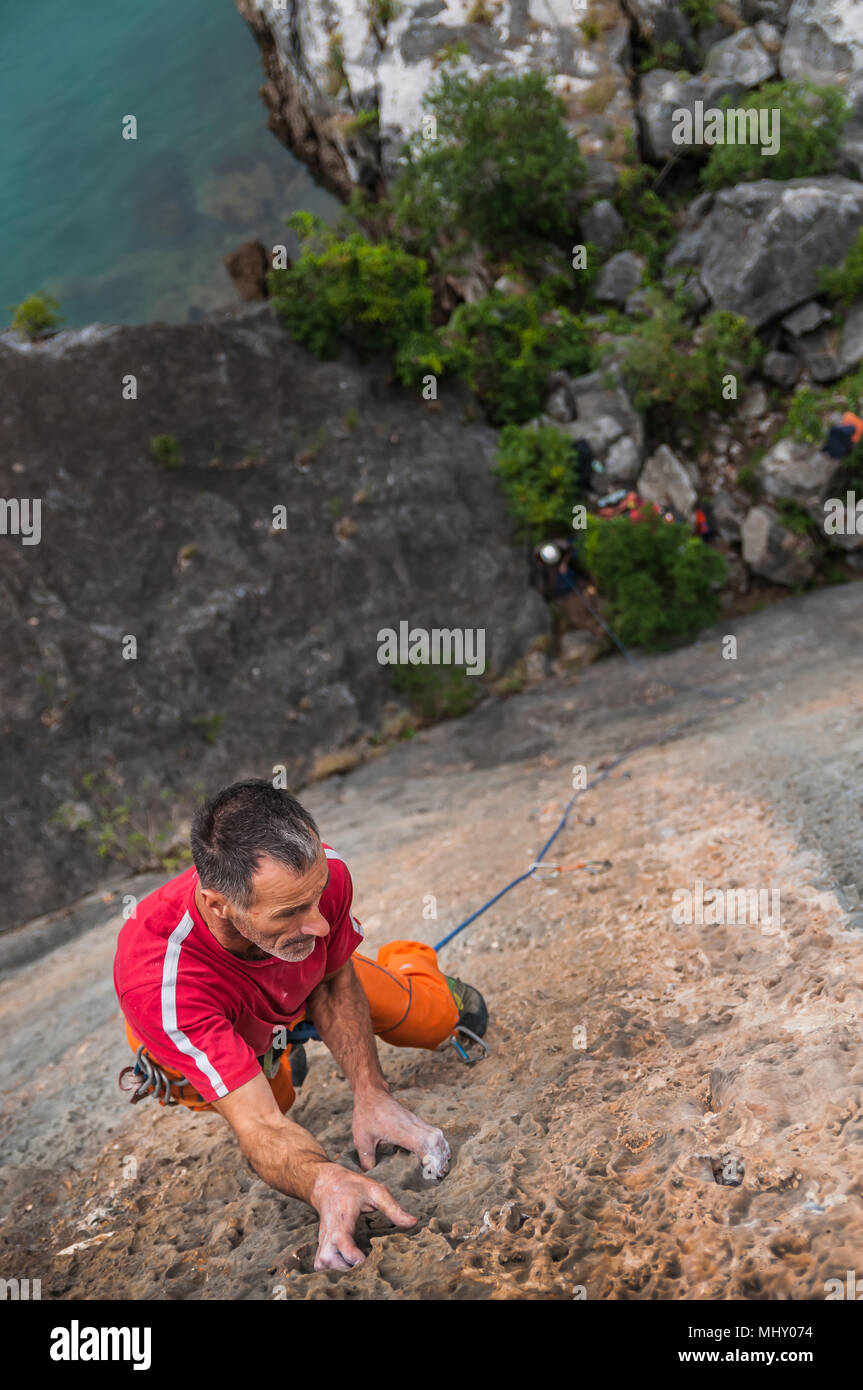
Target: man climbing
pixel 217 966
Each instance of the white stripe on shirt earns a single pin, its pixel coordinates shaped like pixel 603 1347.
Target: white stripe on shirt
pixel 169 1008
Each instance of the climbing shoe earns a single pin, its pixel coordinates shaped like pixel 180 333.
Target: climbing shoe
pixel 472 1011
pixel 299 1065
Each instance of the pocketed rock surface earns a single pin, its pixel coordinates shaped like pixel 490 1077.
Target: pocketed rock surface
pixel 668 1111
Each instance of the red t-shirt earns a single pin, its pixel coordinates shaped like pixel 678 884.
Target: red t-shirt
pixel 203 1011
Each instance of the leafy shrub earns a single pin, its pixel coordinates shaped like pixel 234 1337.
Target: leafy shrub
pixel 700 13
pixel 502 167
pixel 649 223
pixel 437 692
pixel 804 419
pixel 844 283
pixel 35 315
pixel 656 581
pixel 373 295
pixel 666 364
pixel 810 125
pixel 504 346
pixel 166 451
pixel 537 466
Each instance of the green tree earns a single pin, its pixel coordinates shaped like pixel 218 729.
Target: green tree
pixel 374 296
pixel 668 364
pixel 504 346
pixel 656 581
pixel 502 168
pixel 36 315
pixel 537 467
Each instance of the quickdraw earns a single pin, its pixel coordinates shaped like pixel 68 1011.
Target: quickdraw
pixel 147 1078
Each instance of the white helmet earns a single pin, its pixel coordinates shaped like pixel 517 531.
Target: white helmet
pixel 549 554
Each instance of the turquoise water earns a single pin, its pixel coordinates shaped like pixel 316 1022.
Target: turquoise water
pixel 126 231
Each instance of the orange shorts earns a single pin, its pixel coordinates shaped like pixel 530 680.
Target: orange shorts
pixel 409 1000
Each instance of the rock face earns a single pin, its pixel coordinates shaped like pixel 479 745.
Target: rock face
pixel 774 552
pixel 619 277
pixel 255 646
pixel 823 41
pixel 327 63
pixel 760 245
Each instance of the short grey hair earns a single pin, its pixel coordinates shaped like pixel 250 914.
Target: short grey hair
pixel 238 826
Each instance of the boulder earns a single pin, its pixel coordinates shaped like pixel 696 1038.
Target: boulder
pixel 753 406
pixel 619 277
pixel 823 41
pixel 774 552
pixel 831 352
pixel 600 432
pixel 799 473
pixel 742 58
pixel 662 94
pixel 602 224
pixel 782 368
pixel 768 11
pixel 806 319
pixel 727 515
pixel 248 266
pixel 665 480
pixel 622 461
pixel 760 246
pixel 594 398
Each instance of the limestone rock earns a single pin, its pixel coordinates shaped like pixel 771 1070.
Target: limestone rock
pixel 823 41
pixel 754 249
pixel 741 58
pixel 774 552
pixel 799 472
pixel 602 224
pixel 665 480
pixel 619 277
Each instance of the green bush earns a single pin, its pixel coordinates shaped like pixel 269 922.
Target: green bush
pixel 504 346
pixel 166 451
pixel 804 420
pixel 700 13
pixel 811 123
pixel 537 466
pixel 649 223
pixel 35 315
pixel 375 296
pixel 668 364
pixel 437 692
pixel 655 580
pixel 502 168
pixel 844 283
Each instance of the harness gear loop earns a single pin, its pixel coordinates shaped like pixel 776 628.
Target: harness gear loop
pixel 151 1080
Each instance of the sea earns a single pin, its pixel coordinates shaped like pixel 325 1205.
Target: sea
pixel 130 231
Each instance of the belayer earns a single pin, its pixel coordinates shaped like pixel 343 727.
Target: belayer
pixel 215 967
